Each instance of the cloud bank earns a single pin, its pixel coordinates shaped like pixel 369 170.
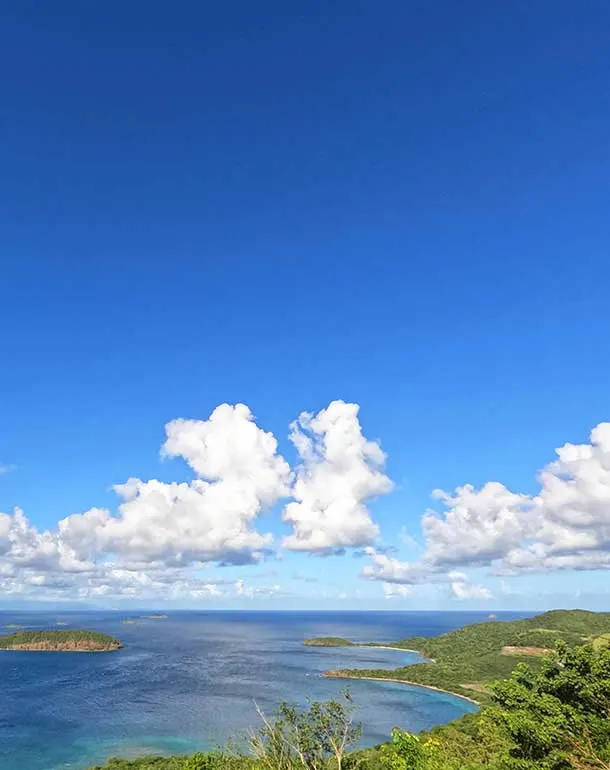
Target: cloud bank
pixel 162 534
pixel 163 537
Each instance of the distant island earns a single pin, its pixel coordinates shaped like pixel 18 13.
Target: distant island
pixel 60 641
pixel 463 662
pixel 329 641
pixel 138 619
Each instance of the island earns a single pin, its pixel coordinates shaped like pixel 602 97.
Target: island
pixel 329 641
pixel 465 661
pixel 76 640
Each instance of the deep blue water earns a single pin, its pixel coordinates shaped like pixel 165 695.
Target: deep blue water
pixel 190 681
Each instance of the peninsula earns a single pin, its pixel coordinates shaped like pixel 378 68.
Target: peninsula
pixel 60 641
pixel 465 661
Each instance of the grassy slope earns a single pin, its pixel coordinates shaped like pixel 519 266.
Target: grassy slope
pixel 64 639
pixel 473 655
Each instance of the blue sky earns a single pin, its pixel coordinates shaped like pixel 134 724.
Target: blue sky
pixel 398 205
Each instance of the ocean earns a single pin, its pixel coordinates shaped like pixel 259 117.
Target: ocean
pixel 192 680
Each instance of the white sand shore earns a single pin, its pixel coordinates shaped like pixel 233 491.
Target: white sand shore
pixel 337 675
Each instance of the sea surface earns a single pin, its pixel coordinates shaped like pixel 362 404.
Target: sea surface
pixel 193 679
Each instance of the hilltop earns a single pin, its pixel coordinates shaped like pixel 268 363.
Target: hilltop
pixel 464 661
pixel 74 640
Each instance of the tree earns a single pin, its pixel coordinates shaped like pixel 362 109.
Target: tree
pixel 305 739
pixel 200 761
pixel 558 717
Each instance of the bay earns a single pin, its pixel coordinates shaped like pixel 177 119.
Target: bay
pixel 193 679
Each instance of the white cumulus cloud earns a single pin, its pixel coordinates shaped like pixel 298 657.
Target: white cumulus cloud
pixel 210 518
pixel 463 589
pixel 394 591
pixel 478 526
pixel 24 546
pixel 231 450
pixel 389 569
pixel 340 472
pixel 564 526
pixel 399 577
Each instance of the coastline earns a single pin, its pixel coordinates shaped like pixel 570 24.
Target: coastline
pixel 336 675
pixel 387 647
pixel 362 645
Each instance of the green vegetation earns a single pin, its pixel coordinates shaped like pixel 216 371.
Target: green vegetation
pixel 465 660
pixel 554 717
pixel 602 641
pixel 60 641
pixel 197 761
pixel 146 763
pixel 329 641
pixel 306 738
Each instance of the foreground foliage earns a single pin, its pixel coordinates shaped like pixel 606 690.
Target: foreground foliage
pixel 305 739
pixel 553 717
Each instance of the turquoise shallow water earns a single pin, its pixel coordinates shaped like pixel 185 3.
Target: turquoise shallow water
pixel 190 681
